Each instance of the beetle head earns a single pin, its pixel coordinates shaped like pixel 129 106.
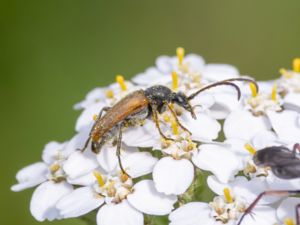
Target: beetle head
pixel 182 100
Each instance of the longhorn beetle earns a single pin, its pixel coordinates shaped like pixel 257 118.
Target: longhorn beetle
pixel 285 164
pixel 142 104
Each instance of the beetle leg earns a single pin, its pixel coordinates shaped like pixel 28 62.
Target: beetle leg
pixel 298 214
pixel 155 117
pixel 177 120
pixel 282 193
pixel 118 152
pixel 104 109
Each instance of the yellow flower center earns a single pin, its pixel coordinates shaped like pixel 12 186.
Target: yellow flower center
pixel 250 149
pixel 175 80
pixel 180 54
pixel 253 89
pixel 296 65
pixel 175 128
pixel 227 195
pixel 120 80
pixel 54 167
pixel 289 221
pixel 99 178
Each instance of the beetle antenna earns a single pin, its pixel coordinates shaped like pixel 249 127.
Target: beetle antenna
pixel 215 85
pixel 225 82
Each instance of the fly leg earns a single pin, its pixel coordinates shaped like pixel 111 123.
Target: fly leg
pixel 177 120
pixel 155 117
pixel 118 152
pixel 104 109
pixel 280 193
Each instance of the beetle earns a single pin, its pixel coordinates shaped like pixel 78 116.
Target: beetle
pixel 142 104
pixel 285 164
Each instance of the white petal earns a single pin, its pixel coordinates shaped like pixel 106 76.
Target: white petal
pixel 107 158
pixel 194 62
pixel 30 176
pixel 173 176
pixel 77 142
pixel 85 180
pixel 286 125
pixel 193 213
pixel 291 101
pixel 276 183
pixel 151 76
pixel 95 95
pixel 52 150
pixel 242 124
pixel 139 164
pixel 204 128
pixel 141 136
pixel 264 139
pixel 119 214
pixel 218 72
pixel 262 215
pixel 86 118
pixel 45 197
pixel 80 163
pixel 79 202
pixel 148 200
pixel 202 101
pixel 287 208
pixel 164 64
pixel 217 159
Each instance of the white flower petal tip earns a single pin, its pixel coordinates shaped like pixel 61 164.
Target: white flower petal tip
pixel 291 101
pixel 220 161
pixel 44 199
pixel 30 176
pixel 204 128
pixel 287 208
pixel 80 163
pixel 119 214
pixel 218 72
pixel 79 202
pixel 148 200
pixel 173 176
pixel 52 150
pixel 193 213
pixel 242 124
pixel 286 125
pixel 85 120
pixel 151 76
pixel 141 136
pixel 139 163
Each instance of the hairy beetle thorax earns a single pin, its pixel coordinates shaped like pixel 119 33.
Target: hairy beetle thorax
pixel 158 95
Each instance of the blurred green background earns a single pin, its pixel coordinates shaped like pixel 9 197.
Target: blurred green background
pixel 53 52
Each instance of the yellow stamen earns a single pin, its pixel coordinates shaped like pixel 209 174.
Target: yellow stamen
pixel 285 73
pixel 227 195
pixel 180 54
pixel 109 94
pixel 99 178
pixel 175 127
pixel 95 116
pixel 296 65
pixel 54 168
pixel 250 148
pixel 124 177
pixel 175 80
pixel 274 92
pixel 120 80
pixel 166 118
pixel 253 89
pixel 289 221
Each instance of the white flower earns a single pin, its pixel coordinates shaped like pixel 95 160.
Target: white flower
pixel 52 180
pixel 227 207
pixel 218 72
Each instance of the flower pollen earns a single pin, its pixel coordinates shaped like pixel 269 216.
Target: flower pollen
pixel 99 178
pixel 289 221
pixel 253 90
pixel 174 81
pixel 109 94
pixel 227 195
pixel 180 54
pixel 274 92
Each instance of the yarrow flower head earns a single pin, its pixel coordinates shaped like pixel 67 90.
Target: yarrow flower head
pixel 178 143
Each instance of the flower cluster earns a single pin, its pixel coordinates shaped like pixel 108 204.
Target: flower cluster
pixel 161 175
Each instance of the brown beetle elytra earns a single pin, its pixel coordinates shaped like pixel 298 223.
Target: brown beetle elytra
pixel 285 164
pixel 142 104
